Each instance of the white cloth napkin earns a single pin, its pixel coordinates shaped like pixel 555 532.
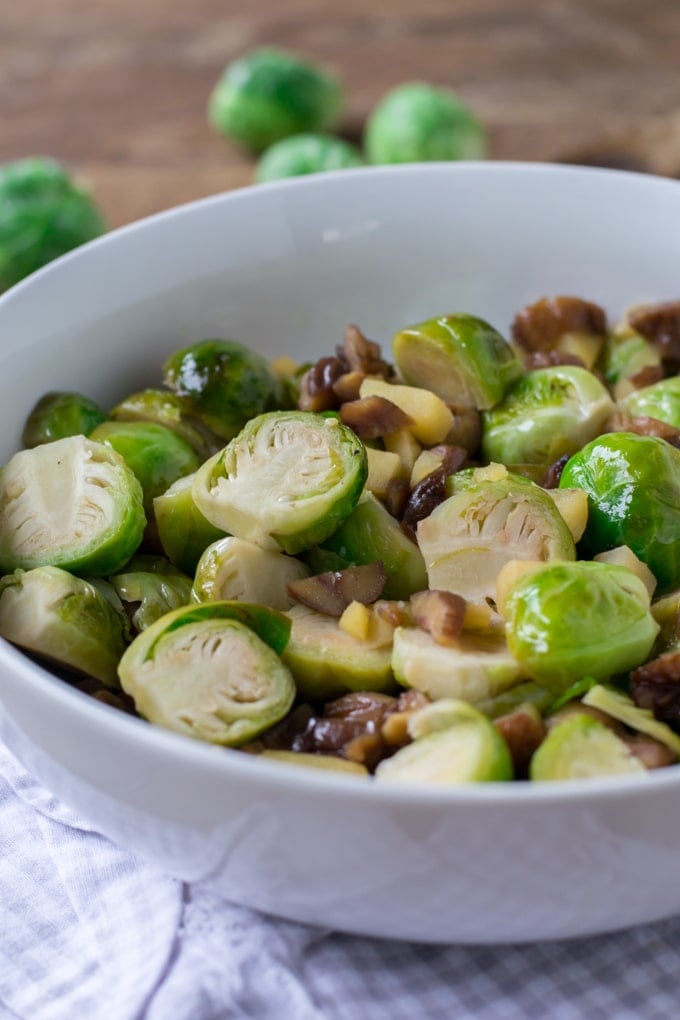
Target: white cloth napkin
pixel 87 931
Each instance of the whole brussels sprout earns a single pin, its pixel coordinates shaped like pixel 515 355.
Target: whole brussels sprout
pixel 43 214
pixel 222 383
pixel 165 408
pixel 269 94
pixel 60 414
pixel 565 621
pixel 420 122
pixel 633 487
pixel 547 413
pixel 660 400
pixel 306 154
pixel 461 358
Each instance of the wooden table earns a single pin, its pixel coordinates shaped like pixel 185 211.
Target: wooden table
pixel 118 88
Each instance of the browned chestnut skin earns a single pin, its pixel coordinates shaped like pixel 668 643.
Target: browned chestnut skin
pixel 539 326
pixel 332 592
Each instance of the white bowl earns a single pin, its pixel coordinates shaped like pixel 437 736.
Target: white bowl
pixel 284 267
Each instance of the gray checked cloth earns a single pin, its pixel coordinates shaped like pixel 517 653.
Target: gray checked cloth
pixel 87 931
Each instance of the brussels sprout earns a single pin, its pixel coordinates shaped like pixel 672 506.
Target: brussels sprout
pixel 232 568
pixel 328 662
pixel 157 455
pixel 528 692
pixel 58 415
pixel 633 486
pixel 483 525
pixel 625 354
pixel 619 706
pixel 418 122
pixel 548 413
pixel 43 214
pixel 370 533
pixel 306 154
pixel 477 668
pixel 582 748
pixel 269 94
pixel 222 383
pixel 661 401
pixel 202 671
pixel 65 619
pixel 287 480
pixel 183 531
pixel 154 586
pixel 565 621
pixel 462 359
pixel 73 503
pixel 327 762
pixel 458 745
pixel 166 408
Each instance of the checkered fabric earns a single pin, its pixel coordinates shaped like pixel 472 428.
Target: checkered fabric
pixel 87 931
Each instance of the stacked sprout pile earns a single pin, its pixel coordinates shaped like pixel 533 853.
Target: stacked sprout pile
pixel 285 110
pixel 460 563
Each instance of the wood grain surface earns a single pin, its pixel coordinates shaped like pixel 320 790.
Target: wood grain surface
pixel 118 88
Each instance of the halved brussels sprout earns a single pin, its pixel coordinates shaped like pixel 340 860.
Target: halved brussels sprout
pixel 462 359
pixel 286 481
pixel 454 744
pixel 222 383
pixel 565 621
pixel 582 748
pixel 661 401
pixel 528 692
pixel 633 486
pixel 73 503
pixel 328 662
pixel 547 413
pixel 478 667
pixel 370 533
pixel 153 586
pixel 165 408
pixel 157 455
pixel 204 672
pixel 60 414
pixel 619 706
pixel 183 531
pixel 485 523
pixel 232 568
pixel 65 619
